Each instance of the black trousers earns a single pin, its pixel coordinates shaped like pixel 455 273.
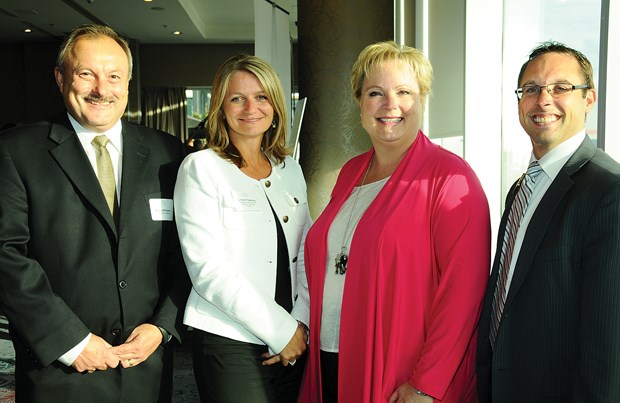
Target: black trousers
pixel 230 371
pixel 329 376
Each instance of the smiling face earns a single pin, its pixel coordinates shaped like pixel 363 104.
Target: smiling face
pixel 547 120
pixel 391 105
pixel 95 82
pixel 247 107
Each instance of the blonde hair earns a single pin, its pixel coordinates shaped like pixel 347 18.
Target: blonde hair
pixel 274 139
pixel 373 55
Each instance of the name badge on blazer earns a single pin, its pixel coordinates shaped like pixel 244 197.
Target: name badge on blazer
pixel 161 209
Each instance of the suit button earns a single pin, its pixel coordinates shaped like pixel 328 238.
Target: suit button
pixel 267 183
pixel 285 218
pixel 122 284
pixel 115 332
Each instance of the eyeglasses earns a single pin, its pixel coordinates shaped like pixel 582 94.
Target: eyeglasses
pixel 555 90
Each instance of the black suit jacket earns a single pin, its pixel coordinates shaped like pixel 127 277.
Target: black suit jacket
pixel 559 337
pixel 66 269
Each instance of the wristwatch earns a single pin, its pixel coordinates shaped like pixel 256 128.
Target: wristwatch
pixel 306 330
pixel 419 392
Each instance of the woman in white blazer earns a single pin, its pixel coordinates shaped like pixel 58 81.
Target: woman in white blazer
pixel 242 212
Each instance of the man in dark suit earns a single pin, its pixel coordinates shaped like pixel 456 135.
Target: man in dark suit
pixel 89 280
pixel 557 338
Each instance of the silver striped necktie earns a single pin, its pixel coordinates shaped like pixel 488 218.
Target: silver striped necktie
pixel 519 205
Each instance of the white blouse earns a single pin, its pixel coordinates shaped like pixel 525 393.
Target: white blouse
pixel 340 236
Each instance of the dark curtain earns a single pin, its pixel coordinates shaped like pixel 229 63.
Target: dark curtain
pixel 165 109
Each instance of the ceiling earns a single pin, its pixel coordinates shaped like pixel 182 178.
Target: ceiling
pixel 199 21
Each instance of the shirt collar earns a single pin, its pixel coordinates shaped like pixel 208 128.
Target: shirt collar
pixel 554 160
pixel 86 136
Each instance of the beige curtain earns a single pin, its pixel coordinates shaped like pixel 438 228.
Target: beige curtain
pixel 165 109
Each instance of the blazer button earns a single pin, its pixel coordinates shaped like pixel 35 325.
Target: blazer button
pixel 267 183
pixel 115 332
pixel 285 218
pixel 122 284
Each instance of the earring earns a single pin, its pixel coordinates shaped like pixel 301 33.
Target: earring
pixel 274 124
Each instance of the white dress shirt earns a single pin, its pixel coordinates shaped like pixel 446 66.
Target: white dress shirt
pixel 551 164
pixel 115 148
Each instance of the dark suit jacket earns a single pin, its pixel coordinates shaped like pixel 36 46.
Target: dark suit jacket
pixel 66 269
pixel 559 338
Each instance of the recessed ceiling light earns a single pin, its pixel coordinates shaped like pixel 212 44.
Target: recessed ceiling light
pixel 27 30
pixel 177 33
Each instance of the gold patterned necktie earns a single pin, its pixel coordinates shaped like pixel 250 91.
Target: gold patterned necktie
pixel 105 171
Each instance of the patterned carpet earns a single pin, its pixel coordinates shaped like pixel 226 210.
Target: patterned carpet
pixel 7 363
pixel 184 389
pixel 184 385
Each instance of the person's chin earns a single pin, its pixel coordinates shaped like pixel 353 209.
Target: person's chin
pixel 98 124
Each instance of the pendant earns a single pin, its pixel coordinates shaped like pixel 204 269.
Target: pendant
pixel 341 262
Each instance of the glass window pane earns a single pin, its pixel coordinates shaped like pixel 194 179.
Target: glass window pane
pixel 527 23
pixel 198 101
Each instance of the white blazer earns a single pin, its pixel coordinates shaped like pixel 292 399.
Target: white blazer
pixel 229 242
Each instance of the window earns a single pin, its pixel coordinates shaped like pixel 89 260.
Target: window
pixel 526 24
pixel 198 101
pixel 499 36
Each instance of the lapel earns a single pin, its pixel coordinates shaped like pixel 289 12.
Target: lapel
pixel 70 156
pixel 539 224
pixel 135 156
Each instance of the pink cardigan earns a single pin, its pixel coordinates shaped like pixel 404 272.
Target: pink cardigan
pixel 417 272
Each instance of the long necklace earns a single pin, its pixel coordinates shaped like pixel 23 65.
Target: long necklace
pixel 342 258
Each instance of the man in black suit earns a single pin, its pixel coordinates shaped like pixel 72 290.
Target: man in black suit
pixel 557 338
pixel 89 272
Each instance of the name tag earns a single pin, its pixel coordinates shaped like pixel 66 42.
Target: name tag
pixel 247 203
pixel 162 209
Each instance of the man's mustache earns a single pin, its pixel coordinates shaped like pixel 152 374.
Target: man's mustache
pixel 98 98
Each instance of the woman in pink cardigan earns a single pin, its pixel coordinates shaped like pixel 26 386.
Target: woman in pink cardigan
pixel 397 263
